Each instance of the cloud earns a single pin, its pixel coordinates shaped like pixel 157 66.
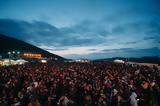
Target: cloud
pixel 38 32
pixel 132 42
pixel 86 37
pixel 145 39
pixel 150 38
pixel 118 30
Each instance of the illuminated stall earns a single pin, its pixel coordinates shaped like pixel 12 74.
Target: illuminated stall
pixel 32 55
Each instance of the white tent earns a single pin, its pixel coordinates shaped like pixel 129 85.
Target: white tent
pixel 6 62
pixel 21 61
pixel 118 61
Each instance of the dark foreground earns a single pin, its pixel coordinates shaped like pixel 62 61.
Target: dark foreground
pixel 79 84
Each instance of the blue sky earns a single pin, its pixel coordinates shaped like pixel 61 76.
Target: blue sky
pixel 85 28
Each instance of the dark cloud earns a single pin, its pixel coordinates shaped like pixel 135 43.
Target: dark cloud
pixel 92 49
pixel 44 33
pixel 132 42
pixel 14 28
pixel 38 32
pixel 121 49
pixel 118 30
pixel 150 38
pixel 141 40
pixel 25 30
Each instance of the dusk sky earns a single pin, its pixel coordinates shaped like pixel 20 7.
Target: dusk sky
pixel 85 28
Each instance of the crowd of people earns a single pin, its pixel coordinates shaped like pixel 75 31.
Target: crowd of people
pixel 79 84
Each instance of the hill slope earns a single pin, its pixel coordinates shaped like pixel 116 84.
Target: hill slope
pixel 12 44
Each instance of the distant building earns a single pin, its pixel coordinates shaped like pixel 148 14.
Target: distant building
pixel 32 55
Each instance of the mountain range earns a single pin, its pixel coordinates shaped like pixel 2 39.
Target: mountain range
pixel 146 59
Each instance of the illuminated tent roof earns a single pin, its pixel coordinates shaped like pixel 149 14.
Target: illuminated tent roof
pixel 118 61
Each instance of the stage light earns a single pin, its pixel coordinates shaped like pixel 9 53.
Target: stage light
pixel 9 52
pixel 18 52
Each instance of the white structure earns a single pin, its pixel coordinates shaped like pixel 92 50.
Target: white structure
pixel 118 61
pixel 21 61
pixel 43 61
pixel 82 60
pixel 7 62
